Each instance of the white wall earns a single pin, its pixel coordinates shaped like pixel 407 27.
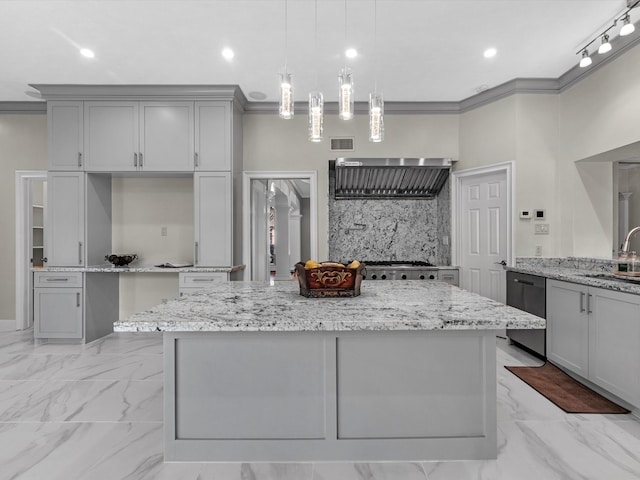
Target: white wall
pixel 23 146
pixel 273 144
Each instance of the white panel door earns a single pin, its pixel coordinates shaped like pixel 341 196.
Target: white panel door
pixel 483 234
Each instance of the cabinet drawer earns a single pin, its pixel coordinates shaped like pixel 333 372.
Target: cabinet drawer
pixel 201 279
pixel 57 279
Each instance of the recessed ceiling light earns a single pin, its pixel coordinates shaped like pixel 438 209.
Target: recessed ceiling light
pixel 490 53
pixel 351 53
pixel 228 53
pixel 85 52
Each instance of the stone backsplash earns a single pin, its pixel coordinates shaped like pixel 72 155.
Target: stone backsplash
pixel 390 229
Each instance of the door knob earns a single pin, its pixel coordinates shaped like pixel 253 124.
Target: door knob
pixel 502 262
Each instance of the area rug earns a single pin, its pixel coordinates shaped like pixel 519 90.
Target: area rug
pixel 567 393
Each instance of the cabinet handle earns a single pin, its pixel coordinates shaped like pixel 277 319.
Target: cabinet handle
pixel 77 299
pixel 79 159
pixel 582 302
pixel 589 303
pixel 195 158
pixel 56 279
pixel 203 279
pixel 196 261
pixel 80 253
pixel 524 282
pixel 135 160
pixel 140 154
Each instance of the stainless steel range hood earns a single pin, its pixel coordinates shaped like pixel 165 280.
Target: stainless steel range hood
pixel 390 177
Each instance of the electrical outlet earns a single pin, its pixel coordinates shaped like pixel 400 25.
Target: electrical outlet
pixel 445 240
pixel 538 250
pixel 163 231
pixel 542 229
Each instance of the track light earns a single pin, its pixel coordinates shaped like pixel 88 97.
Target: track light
pixel 605 46
pixel 586 59
pixel 627 26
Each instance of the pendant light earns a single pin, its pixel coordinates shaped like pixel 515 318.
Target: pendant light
pixel 285 109
pixel 376 103
pixel 316 99
pixel 585 61
pixel 345 81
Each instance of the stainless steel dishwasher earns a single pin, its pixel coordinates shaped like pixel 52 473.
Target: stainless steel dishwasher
pixel 528 293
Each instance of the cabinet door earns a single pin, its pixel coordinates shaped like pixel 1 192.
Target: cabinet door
pixel 213 136
pixel 111 136
pixel 57 312
pixel 614 336
pixel 568 326
pixel 213 224
pixel 65 131
pixel 65 219
pixel 166 136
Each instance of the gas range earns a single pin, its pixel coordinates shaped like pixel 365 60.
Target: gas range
pixel 400 270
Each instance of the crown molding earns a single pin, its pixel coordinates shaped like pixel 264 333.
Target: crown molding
pixel 142 92
pixel 7 108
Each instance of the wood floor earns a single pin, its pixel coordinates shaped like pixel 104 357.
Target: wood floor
pixel 94 412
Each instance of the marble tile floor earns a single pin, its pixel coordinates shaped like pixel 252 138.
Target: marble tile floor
pixel 77 412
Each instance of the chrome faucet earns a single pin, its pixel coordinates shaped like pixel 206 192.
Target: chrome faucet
pixel 627 239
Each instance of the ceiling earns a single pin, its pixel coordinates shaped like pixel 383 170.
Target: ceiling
pixel 422 50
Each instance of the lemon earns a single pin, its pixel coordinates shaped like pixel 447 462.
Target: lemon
pixel 354 264
pixel 311 264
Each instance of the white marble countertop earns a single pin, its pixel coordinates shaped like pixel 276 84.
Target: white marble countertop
pixel 596 277
pixel 109 268
pixel 390 305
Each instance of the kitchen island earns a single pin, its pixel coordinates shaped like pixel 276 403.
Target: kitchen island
pixel 405 371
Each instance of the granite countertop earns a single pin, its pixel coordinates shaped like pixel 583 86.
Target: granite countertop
pixel 390 305
pixel 595 277
pixel 109 268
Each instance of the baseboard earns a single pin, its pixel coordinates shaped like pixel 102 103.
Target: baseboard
pixel 7 325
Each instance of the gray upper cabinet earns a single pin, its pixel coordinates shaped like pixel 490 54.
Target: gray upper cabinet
pixel 65 135
pixel 166 137
pixel 213 136
pixel 213 219
pixel 139 136
pixel 111 136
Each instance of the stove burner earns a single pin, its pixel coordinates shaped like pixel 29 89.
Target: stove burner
pixel 392 263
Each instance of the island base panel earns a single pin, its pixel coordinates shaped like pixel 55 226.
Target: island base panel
pixel 330 396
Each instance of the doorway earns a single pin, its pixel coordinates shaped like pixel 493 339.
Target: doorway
pixel 31 196
pixel 482 228
pixel 279 221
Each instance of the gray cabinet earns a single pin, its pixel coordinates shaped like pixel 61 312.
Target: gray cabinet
pixel 595 332
pixel 568 326
pixel 111 136
pixel 189 282
pixel 57 305
pixel 213 135
pixel 65 239
pixel 614 336
pixel 65 135
pixel 213 219
pixel 139 136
